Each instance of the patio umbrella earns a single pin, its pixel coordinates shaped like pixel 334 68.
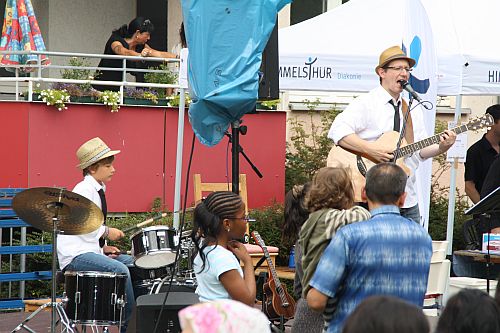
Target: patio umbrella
pixel 21 33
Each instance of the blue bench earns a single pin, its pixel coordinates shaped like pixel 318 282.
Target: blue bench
pixel 9 219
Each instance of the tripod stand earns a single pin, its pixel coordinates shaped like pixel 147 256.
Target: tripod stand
pixel 486 207
pixel 56 307
pixel 58 211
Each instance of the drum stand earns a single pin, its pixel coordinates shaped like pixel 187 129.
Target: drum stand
pixel 56 307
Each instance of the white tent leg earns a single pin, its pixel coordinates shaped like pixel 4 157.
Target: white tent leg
pixel 178 159
pixel 453 176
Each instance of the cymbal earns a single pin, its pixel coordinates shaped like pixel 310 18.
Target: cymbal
pixel 76 214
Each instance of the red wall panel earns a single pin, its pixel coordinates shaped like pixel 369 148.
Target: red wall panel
pixel 39 144
pixel 14 144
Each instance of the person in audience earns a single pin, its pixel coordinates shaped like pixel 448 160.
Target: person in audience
pixel 295 215
pixel 218 221
pixel 128 40
pixel 386 314
pixel 331 205
pixel 226 316
pixel 386 255
pixel 470 310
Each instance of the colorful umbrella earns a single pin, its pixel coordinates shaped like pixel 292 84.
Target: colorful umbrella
pixel 21 33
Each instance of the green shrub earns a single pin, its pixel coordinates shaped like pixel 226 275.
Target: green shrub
pixel 308 150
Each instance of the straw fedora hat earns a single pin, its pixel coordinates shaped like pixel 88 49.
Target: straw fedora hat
pixel 92 151
pixel 390 54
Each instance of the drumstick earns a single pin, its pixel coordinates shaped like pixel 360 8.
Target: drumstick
pixel 151 220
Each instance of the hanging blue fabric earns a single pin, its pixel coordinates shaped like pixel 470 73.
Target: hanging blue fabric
pixel 226 39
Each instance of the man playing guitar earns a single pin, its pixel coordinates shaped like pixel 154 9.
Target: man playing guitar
pixel 373 114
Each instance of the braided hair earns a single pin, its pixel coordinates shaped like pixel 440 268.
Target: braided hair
pixel 208 216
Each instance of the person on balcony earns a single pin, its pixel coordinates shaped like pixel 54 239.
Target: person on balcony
pixel 128 40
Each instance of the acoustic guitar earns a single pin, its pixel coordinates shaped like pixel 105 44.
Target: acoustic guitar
pixel 277 301
pixel 359 163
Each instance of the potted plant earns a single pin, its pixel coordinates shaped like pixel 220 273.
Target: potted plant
pixel 165 77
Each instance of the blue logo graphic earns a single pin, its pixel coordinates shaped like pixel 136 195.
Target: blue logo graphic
pixel 420 86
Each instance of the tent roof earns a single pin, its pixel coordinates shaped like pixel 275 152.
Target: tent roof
pixel 356 32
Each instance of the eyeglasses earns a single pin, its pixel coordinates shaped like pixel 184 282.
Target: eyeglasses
pixel 245 218
pixel 400 69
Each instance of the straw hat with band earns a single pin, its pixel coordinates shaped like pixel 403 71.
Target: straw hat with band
pixel 390 54
pixel 93 151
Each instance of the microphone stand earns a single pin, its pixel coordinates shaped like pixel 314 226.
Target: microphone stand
pixel 236 149
pixel 234 140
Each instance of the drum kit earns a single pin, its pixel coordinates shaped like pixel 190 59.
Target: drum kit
pixel 97 299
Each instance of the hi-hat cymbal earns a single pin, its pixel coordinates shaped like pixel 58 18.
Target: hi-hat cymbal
pixel 76 214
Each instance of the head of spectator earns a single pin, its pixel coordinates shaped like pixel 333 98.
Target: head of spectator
pixel 471 310
pixel 385 185
pixel 139 28
pixel 331 187
pixel 386 314
pixel 223 316
pixel 296 212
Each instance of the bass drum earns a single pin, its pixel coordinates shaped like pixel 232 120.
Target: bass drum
pixel 95 298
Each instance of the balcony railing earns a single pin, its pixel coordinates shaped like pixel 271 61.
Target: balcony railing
pixel 42 73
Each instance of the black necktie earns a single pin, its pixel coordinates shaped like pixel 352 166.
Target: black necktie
pixel 396 115
pixel 104 209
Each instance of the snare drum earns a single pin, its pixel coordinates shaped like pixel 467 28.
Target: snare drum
pixel 95 298
pixel 154 247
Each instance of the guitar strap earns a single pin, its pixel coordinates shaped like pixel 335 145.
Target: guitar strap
pixel 409 124
pixel 408 136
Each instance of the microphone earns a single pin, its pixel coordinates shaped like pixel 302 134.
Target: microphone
pixel 406 86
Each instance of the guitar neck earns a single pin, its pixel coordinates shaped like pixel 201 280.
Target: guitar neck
pixel 413 147
pixel 271 268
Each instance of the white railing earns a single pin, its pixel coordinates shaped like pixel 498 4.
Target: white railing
pixel 38 69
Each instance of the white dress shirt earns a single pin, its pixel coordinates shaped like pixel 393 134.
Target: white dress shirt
pixel 371 115
pixel 70 246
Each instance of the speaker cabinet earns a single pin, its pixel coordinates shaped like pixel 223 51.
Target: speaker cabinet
pixel 149 306
pixel 269 83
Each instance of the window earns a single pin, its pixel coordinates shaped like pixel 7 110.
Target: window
pixel 302 10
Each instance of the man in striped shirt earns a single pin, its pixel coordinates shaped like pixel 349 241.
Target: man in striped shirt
pixel 386 255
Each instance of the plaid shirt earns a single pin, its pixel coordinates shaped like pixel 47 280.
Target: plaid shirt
pixel 388 255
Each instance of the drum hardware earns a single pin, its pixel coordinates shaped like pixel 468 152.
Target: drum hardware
pixel 56 210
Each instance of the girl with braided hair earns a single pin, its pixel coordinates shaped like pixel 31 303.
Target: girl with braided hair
pixel 219 221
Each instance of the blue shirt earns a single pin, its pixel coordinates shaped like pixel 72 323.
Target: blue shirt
pixel 386 255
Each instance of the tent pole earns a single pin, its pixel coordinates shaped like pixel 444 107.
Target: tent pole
pixel 453 176
pixel 178 159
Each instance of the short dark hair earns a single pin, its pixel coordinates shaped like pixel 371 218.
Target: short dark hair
pixel 385 183
pixel 494 110
pixel 386 314
pixel 471 310
pixel 94 166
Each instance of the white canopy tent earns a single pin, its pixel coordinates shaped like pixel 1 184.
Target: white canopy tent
pixel 345 43
pixel 338 50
